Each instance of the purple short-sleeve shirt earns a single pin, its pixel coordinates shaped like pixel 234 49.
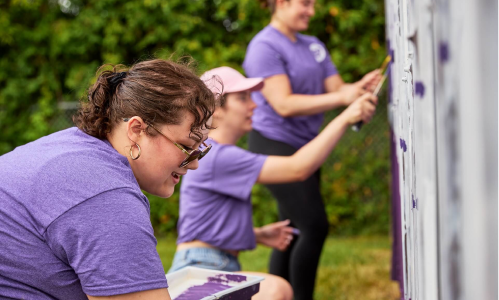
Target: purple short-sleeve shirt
pixel 73 221
pixel 307 64
pixel 215 200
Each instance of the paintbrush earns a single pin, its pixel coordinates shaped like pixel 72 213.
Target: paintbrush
pixel 384 70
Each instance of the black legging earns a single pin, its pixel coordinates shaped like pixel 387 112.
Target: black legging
pixel 301 202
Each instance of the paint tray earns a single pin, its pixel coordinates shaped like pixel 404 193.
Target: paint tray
pixel 192 283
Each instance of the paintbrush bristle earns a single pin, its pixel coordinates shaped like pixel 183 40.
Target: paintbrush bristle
pixel 385 63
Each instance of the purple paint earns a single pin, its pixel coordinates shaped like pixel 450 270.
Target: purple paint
pixel 414 202
pixel 200 291
pixel 296 231
pixel 443 52
pixel 403 145
pixel 225 278
pixel 397 272
pixel 392 54
pixel 419 89
pixel 235 278
pixel 217 279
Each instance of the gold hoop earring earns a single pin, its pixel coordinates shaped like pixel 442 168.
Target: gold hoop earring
pixel 131 152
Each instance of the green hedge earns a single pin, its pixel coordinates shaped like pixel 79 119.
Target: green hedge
pixel 50 51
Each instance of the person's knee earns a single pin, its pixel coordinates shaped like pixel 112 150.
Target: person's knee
pixel 279 289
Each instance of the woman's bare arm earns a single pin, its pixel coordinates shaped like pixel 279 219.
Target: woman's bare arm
pixel 277 90
pixel 333 83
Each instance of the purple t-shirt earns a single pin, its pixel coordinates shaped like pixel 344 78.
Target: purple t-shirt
pixel 307 64
pixel 215 200
pixel 73 221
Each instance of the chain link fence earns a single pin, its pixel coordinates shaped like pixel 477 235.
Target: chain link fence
pixel 372 139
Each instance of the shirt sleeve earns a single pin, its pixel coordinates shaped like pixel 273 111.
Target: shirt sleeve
pixel 263 60
pixel 236 171
pixel 108 240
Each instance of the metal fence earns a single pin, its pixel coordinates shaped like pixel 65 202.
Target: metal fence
pixel 373 138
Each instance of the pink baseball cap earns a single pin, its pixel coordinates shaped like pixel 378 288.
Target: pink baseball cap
pixel 232 80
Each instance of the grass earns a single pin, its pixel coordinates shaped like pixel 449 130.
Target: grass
pixel 350 268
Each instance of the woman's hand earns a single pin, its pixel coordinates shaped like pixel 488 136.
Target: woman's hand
pixel 361 109
pixel 276 235
pixel 351 91
pixel 370 80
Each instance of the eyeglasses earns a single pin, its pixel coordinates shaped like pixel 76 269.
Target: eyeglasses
pixel 191 156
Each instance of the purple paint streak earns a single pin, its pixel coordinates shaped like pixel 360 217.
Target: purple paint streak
pixel 419 89
pixel 397 272
pixel 225 278
pixel 414 202
pixel 392 54
pixel 443 52
pixel 296 231
pixel 200 291
pixel 403 145
pixel 217 279
pixel 235 278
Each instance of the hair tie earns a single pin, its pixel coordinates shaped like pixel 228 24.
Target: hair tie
pixel 115 80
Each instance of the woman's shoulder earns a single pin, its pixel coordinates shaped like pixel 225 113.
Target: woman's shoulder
pixel 268 36
pixel 73 151
pixel 221 157
pixel 68 160
pixel 231 152
pixel 55 173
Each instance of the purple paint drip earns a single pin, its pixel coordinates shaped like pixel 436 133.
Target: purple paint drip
pixel 414 202
pixel 443 52
pixel 419 89
pixel 403 145
pixel 392 54
pixel 200 291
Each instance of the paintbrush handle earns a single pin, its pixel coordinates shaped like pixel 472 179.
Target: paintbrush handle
pixel 357 126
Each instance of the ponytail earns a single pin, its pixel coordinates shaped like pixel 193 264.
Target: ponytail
pixel 94 117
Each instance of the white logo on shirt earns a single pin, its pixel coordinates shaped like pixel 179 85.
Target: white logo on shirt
pixel 318 51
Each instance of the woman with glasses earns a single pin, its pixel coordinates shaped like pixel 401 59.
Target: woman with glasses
pixel 215 221
pixel 74 222
pixel 301 83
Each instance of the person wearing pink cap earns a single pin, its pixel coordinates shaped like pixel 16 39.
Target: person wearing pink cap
pixel 215 219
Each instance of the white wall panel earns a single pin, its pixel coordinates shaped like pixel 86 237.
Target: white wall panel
pixel 443 113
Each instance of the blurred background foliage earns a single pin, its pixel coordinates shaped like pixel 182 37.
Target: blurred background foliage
pixel 50 51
